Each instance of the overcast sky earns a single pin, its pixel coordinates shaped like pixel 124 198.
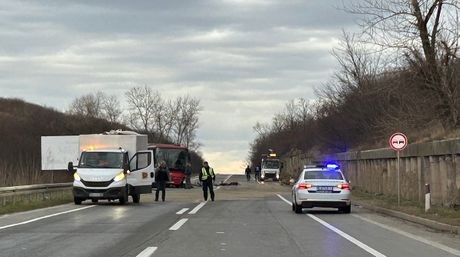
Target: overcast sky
pixel 243 58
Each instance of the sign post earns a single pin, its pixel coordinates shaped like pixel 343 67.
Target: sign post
pixel 398 141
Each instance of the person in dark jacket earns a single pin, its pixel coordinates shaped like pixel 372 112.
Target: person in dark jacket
pixel 248 173
pixel 207 176
pixel 188 175
pixel 161 177
pixel 257 171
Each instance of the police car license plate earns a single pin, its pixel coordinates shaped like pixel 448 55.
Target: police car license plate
pixel 96 194
pixel 324 189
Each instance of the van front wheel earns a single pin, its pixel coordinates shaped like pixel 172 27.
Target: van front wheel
pixel 77 200
pixel 124 198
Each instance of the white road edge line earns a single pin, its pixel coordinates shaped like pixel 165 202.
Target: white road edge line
pixel 182 211
pixel 420 239
pixel 147 252
pixel 341 233
pixel 178 224
pixel 45 217
pixel 197 208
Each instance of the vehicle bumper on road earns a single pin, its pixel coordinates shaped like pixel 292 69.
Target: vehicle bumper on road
pixel 269 175
pixel 110 193
pixel 330 204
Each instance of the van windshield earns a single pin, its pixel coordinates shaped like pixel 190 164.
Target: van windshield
pixel 100 160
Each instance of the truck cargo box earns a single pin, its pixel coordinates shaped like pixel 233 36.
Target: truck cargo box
pixel 58 151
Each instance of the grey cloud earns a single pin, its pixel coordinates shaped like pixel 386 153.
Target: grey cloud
pixel 243 58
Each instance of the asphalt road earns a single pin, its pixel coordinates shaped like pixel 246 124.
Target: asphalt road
pixel 247 220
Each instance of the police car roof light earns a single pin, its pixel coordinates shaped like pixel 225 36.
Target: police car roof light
pixel 333 166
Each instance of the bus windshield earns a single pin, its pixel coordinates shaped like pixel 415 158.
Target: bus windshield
pixel 271 164
pixel 174 158
pixel 100 160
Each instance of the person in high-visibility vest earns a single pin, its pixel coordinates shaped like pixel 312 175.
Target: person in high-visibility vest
pixel 207 176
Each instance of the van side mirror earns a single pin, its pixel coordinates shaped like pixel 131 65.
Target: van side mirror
pixel 125 168
pixel 70 167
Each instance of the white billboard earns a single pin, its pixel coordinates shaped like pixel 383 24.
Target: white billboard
pixel 58 151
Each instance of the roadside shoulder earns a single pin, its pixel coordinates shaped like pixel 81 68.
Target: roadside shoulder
pixel 411 218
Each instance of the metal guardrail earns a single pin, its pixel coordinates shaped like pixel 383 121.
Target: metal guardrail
pixel 37 187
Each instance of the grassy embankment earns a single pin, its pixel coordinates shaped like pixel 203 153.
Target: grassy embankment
pixel 36 202
pixel 449 216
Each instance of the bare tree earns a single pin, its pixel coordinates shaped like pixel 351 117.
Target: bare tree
pixel 112 109
pixel 427 33
pixel 187 120
pixel 142 103
pixel 166 120
pixel 90 105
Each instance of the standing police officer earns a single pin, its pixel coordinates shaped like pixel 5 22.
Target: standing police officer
pixel 207 177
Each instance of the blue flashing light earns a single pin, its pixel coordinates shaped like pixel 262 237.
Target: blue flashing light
pixel 332 166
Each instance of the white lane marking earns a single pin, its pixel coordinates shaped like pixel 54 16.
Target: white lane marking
pixel 420 239
pixel 348 237
pixel 284 199
pixel 178 224
pixel 147 252
pixel 45 217
pixel 197 208
pixel 341 233
pixel 182 211
pixel 225 180
pixel 219 232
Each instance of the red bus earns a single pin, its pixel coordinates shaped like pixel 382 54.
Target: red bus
pixel 176 158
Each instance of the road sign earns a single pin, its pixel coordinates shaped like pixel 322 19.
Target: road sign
pixel 398 141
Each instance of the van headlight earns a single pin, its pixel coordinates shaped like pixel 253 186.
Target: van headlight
pixel 76 177
pixel 119 177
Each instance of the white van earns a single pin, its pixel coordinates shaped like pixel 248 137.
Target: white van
pixel 109 166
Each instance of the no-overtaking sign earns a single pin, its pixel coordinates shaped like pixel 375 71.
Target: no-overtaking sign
pixel 398 141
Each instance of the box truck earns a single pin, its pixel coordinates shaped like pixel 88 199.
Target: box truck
pixel 112 165
pixel 271 167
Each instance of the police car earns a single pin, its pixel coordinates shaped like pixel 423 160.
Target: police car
pixel 321 186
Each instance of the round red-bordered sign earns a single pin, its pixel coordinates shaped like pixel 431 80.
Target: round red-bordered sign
pixel 398 141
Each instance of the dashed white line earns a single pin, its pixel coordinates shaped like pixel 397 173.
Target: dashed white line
pixel 420 239
pixel 178 224
pixel 147 252
pixel 45 217
pixel 197 208
pixel 341 233
pixel 182 211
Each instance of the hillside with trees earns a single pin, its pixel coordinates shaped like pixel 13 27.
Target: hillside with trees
pixel 400 73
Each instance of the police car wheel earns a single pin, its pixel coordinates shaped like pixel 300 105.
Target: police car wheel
pixel 345 209
pixel 136 198
pixel 298 209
